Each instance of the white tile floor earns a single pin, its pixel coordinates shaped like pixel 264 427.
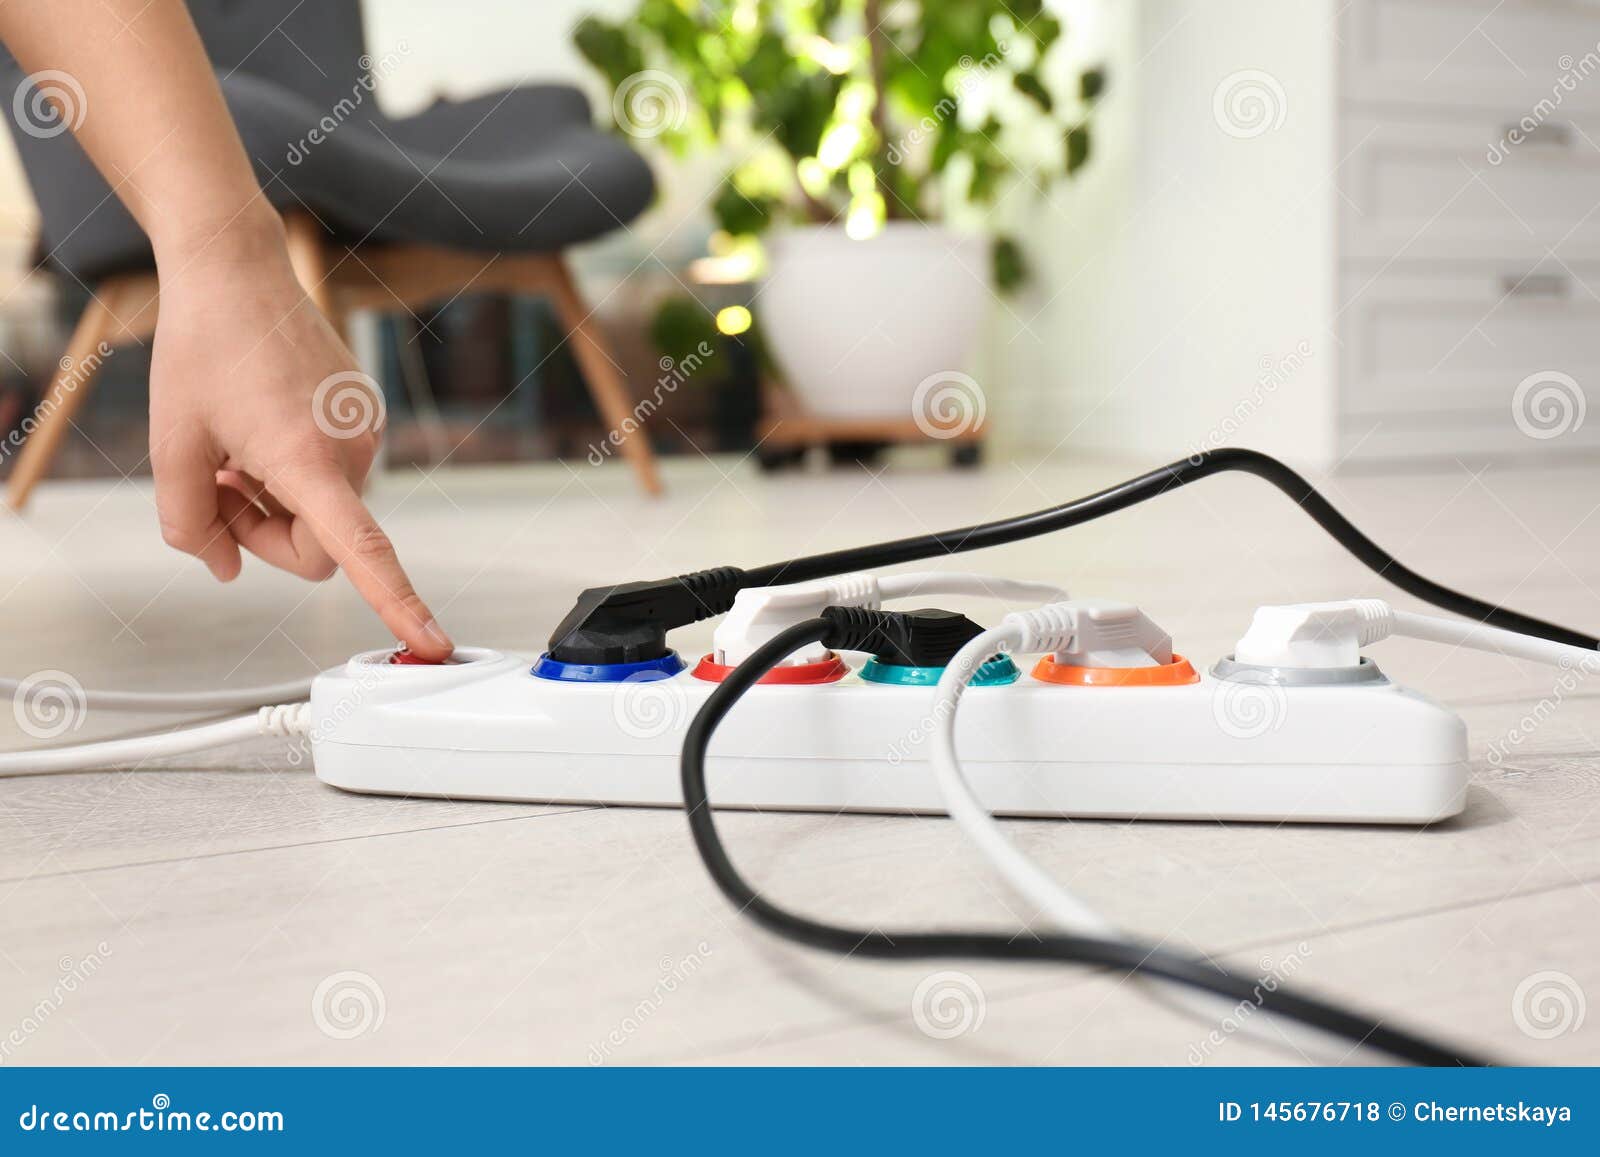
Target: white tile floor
pixel 218 894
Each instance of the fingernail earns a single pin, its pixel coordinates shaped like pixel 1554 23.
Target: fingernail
pixel 435 634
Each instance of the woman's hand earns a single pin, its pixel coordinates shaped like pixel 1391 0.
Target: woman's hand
pixel 250 447
pixel 240 459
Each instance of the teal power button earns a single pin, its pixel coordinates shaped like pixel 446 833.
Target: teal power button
pixel 997 672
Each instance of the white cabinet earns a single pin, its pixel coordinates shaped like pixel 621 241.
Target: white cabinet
pixel 1403 193
pixel 1434 359
pixel 1418 185
pixel 1501 55
pixel 1468 227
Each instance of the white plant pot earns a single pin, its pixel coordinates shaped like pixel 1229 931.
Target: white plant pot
pixel 882 328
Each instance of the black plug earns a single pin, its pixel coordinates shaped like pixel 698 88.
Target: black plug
pixel 925 638
pixel 628 623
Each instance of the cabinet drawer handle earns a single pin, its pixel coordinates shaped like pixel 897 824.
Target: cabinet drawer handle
pixel 1553 134
pixel 1534 285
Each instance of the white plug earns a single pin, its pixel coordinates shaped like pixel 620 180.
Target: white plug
pixel 1314 634
pixel 761 613
pixel 1094 633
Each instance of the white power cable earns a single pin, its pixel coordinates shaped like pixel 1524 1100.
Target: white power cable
pixel 289 719
pixel 961 582
pixel 1032 882
pixel 1478 637
pixel 173 702
pixel 1056 628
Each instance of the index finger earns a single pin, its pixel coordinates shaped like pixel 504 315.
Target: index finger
pixel 340 521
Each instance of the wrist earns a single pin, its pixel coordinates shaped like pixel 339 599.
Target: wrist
pixel 254 237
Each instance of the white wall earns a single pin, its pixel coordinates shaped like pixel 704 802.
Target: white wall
pixel 469 46
pixel 1179 233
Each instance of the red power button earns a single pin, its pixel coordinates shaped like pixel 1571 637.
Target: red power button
pixel 404 658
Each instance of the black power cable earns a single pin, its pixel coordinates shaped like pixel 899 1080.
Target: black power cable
pixel 1120 954
pixel 1152 485
pixel 630 622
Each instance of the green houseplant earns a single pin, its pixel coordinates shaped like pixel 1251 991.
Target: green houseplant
pixel 911 123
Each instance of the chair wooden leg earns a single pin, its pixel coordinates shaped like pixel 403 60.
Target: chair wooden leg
pixel 65 397
pixel 308 253
pixel 600 371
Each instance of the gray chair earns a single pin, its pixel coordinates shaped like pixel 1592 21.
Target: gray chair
pixel 382 212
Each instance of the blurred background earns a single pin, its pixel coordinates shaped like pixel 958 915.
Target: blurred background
pixel 1347 233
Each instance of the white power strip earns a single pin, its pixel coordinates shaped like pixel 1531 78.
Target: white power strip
pixel 1365 751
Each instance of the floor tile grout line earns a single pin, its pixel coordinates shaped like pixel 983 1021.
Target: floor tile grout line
pixel 574 809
